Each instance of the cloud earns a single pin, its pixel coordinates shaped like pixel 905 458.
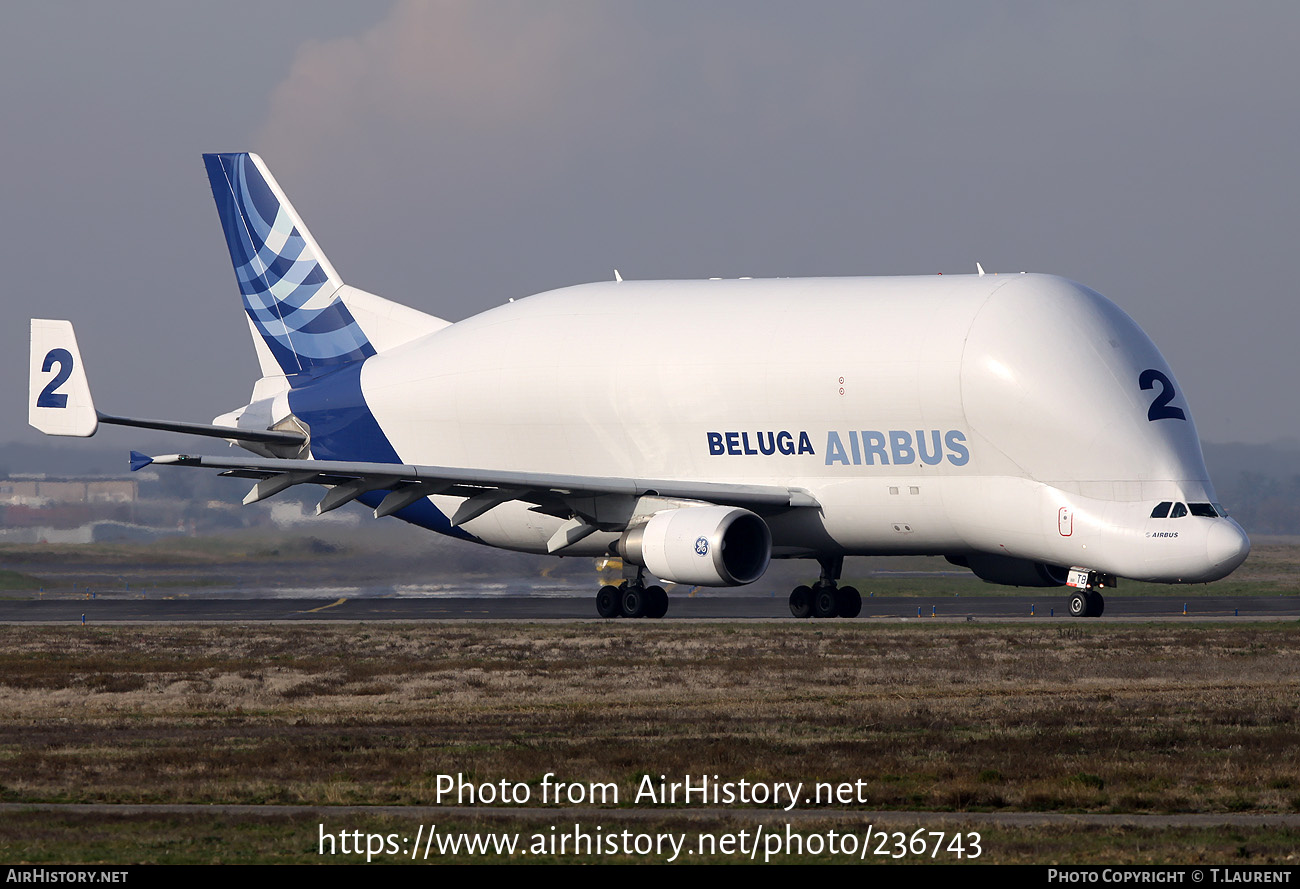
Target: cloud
pixel 433 78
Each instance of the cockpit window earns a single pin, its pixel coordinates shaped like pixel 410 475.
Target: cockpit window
pixel 1205 510
pixel 1219 508
pixel 1162 510
pixel 1179 510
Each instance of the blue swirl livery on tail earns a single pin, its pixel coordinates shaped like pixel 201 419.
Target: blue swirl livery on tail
pixel 290 290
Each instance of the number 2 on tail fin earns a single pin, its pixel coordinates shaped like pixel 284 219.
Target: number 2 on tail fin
pixel 50 396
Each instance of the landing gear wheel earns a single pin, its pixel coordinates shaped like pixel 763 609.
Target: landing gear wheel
pixel 1096 604
pixel 656 602
pixel 825 602
pixel 801 602
pixel 634 601
pixel 608 601
pixel 848 602
pixel 1079 604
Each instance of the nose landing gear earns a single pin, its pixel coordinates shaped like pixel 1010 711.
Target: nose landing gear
pixel 1086 600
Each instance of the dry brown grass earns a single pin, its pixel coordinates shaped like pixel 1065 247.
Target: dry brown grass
pixel 1030 717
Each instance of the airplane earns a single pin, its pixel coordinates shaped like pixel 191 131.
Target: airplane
pixel 1021 425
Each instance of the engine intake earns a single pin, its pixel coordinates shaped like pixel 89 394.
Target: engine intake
pixel 702 545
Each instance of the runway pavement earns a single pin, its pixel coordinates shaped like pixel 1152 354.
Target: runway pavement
pixel 183 609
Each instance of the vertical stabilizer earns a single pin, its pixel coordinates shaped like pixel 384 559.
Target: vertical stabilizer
pixel 58 393
pixel 289 288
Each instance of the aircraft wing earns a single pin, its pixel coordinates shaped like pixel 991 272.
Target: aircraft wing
pixel 592 503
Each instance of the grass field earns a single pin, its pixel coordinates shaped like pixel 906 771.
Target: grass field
pixel 948 718
pixel 268 561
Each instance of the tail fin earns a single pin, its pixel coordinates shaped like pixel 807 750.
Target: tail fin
pixel 289 288
pixel 58 394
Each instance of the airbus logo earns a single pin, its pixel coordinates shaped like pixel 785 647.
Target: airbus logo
pixel 895 447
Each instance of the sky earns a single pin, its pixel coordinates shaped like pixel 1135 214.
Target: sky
pixel 454 155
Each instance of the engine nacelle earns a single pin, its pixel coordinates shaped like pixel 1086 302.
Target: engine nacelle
pixel 701 545
pixel 1010 571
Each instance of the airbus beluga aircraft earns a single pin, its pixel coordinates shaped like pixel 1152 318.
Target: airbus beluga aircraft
pixel 1021 425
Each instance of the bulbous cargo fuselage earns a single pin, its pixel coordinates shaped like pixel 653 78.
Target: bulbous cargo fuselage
pixel 1023 416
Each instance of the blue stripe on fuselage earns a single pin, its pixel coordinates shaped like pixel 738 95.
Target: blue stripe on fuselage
pixel 343 428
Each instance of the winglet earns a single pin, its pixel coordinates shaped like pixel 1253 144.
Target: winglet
pixel 58 394
pixel 139 461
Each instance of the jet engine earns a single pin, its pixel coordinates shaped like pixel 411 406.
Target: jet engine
pixel 703 545
pixel 1011 571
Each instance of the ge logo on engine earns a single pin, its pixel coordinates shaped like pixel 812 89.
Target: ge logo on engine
pixel 702 546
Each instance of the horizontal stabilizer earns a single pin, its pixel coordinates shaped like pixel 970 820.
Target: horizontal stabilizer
pixel 266 436
pixel 60 402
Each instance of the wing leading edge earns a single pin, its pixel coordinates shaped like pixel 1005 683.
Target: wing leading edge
pixel 590 503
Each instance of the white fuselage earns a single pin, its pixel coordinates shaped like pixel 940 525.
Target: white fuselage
pixel 995 414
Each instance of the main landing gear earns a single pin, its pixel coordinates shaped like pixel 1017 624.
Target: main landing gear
pixel 632 598
pixel 1086 601
pixel 826 598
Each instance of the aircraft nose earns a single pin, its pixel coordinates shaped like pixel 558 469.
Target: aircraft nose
pixel 1227 546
